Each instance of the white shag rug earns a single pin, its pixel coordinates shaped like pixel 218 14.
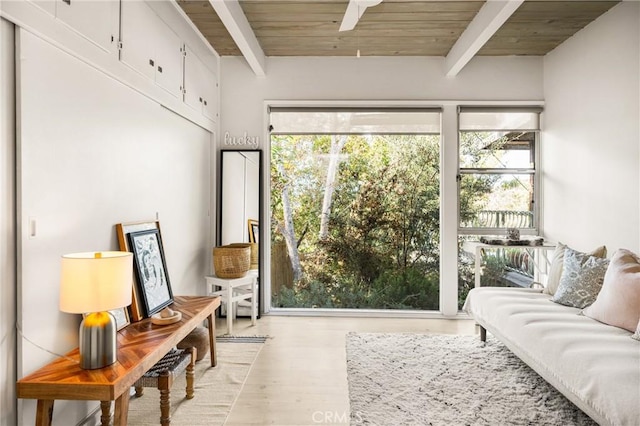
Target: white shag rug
pixel 216 390
pixel 423 379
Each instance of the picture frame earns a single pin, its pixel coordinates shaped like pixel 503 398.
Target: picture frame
pixel 121 316
pixel 254 231
pixel 152 277
pixel 136 309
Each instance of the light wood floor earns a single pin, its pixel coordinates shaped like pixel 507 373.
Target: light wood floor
pixel 300 376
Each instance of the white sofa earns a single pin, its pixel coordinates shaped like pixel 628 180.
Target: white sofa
pixel 596 366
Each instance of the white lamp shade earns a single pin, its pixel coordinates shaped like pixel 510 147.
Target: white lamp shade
pixel 95 281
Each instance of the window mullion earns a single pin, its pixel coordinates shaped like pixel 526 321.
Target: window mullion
pixel 497 171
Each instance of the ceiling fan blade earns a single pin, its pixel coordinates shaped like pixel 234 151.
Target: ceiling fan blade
pixel 355 10
pixel 350 17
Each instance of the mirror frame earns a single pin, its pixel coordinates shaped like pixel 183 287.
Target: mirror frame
pixel 261 231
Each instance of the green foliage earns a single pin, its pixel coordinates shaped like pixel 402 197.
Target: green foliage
pixel 383 225
pixel 493 275
pixel 409 289
pixel 382 249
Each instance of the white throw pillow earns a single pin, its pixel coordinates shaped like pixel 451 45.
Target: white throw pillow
pixel 636 335
pixel 556 267
pixel 618 302
pixel 581 280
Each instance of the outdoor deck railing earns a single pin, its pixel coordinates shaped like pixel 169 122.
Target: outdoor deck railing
pixel 500 219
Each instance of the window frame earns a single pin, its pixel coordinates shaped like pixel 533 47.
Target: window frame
pixel 535 171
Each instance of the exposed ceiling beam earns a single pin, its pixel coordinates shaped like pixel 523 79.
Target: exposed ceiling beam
pixel 236 22
pixel 487 21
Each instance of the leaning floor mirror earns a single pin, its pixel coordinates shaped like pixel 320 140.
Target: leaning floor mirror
pixel 240 206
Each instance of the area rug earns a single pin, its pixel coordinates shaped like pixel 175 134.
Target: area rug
pixel 422 379
pixel 216 390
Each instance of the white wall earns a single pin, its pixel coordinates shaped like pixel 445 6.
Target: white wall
pixel 7 227
pixel 367 78
pixel 591 138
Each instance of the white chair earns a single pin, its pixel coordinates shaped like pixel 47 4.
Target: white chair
pixel 233 290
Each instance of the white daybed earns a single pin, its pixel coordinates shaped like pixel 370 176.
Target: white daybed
pixel 596 366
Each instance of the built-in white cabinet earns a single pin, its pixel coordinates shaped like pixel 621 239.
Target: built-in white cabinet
pixel 95 20
pixel 136 33
pixel 200 86
pixel 47 5
pixel 151 47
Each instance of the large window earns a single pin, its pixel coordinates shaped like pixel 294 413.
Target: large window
pixel 355 208
pixel 498 188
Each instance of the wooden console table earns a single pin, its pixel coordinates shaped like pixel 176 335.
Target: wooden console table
pixel 140 346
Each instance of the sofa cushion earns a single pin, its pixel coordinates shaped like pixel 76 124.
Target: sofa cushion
pixel 556 266
pixel 581 280
pixel 618 303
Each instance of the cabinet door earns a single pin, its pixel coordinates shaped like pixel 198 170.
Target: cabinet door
pixel 210 92
pixel 200 86
pixel 137 29
pixel 95 20
pixel 192 76
pixel 169 59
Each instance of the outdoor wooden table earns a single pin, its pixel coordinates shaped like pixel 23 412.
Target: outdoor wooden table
pixel 140 346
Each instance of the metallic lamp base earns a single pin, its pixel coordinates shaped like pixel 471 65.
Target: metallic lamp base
pixel 97 340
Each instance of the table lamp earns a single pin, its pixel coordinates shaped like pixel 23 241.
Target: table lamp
pixel 94 283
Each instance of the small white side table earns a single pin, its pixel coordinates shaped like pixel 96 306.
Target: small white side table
pixel 535 252
pixel 232 290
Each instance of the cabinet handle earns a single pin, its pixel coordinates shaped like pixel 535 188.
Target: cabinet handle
pixel 67 2
pixel 205 103
pixel 151 62
pixel 200 100
pixel 159 68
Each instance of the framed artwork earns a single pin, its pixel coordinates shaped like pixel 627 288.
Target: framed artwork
pixel 254 231
pixel 123 230
pixel 151 270
pixel 121 315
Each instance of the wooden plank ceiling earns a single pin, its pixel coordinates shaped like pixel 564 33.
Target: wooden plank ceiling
pixel 394 27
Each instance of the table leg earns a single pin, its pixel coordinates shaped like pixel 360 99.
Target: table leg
pixel 44 412
pixel 164 386
pixel 212 341
pixel 254 301
pixel 105 408
pixel 229 308
pixel 121 409
pixel 477 270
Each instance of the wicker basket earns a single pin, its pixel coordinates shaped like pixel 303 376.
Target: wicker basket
pixel 254 252
pixel 231 261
